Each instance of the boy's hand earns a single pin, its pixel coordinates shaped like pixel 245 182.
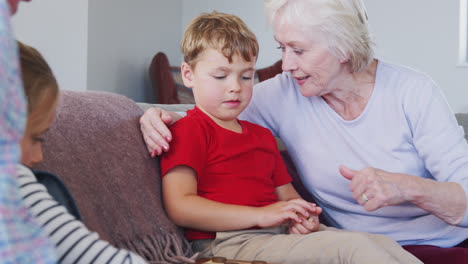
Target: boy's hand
pixel 277 213
pixel 308 224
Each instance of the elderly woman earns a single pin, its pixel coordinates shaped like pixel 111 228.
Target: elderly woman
pixel 375 143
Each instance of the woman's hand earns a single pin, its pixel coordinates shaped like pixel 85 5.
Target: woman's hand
pixel 307 225
pixel 296 210
pixel 154 127
pixel 373 188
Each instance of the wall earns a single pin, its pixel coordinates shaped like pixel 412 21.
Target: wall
pixel 422 34
pixel 59 29
pixel 109 47
pixel 251 11
pixel 123 37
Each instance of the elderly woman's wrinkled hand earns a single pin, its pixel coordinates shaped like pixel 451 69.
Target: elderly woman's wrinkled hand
pixel 154 126
pixel 374 188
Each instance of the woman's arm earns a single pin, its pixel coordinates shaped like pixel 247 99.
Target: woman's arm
pixel 446 200
pixel 440 143
pixel 154 127
pixel 74 242
pixel 441 148
pixel 187 209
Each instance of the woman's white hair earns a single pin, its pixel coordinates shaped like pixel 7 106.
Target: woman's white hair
pixel 342 22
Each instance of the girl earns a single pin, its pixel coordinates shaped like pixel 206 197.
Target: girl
pixel 74 243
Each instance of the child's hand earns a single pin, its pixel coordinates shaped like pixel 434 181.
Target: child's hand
pixel 278 213
pixel 308 224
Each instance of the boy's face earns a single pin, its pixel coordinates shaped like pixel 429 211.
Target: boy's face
pixel 221 89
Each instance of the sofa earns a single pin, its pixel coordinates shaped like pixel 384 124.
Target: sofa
pixel 95 146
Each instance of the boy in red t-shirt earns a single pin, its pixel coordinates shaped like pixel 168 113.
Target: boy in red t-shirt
pixel 224 179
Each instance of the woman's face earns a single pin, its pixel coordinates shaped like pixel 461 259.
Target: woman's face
pixel 306 56
pixel 37 125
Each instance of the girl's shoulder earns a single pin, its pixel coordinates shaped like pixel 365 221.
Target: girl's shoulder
pixel 24 174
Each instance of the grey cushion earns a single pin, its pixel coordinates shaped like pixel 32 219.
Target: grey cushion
pixel 462 119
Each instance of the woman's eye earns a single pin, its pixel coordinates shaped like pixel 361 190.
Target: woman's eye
pixel 298 51
pixel 219 77
pixel 280 48
pixel 246 78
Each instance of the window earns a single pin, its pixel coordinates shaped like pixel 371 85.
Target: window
pixel 463 34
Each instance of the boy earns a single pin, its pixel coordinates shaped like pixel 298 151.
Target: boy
pixel 226 176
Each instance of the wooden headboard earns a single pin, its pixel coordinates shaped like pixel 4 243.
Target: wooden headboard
pixel 169 88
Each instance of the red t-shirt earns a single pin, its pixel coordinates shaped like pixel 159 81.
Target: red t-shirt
pixel 232 168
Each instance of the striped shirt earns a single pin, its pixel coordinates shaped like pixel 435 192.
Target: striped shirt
pixel 73 241
pixel 22 240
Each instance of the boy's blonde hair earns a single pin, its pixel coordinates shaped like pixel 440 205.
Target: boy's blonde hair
pixel 40 85
pixel 223 32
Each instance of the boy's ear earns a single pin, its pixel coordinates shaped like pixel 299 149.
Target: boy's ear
pixel 187 75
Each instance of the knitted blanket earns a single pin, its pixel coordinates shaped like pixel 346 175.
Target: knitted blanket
pixel 96 148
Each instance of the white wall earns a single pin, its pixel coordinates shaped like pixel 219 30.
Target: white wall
pixel 123 37
pixel 59 30
pixel 422 34
pixel 251 11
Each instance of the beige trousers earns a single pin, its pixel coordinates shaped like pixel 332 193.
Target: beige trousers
pixel 329 245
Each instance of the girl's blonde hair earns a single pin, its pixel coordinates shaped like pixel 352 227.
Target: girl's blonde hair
pixel 40 85
pixel 224 32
